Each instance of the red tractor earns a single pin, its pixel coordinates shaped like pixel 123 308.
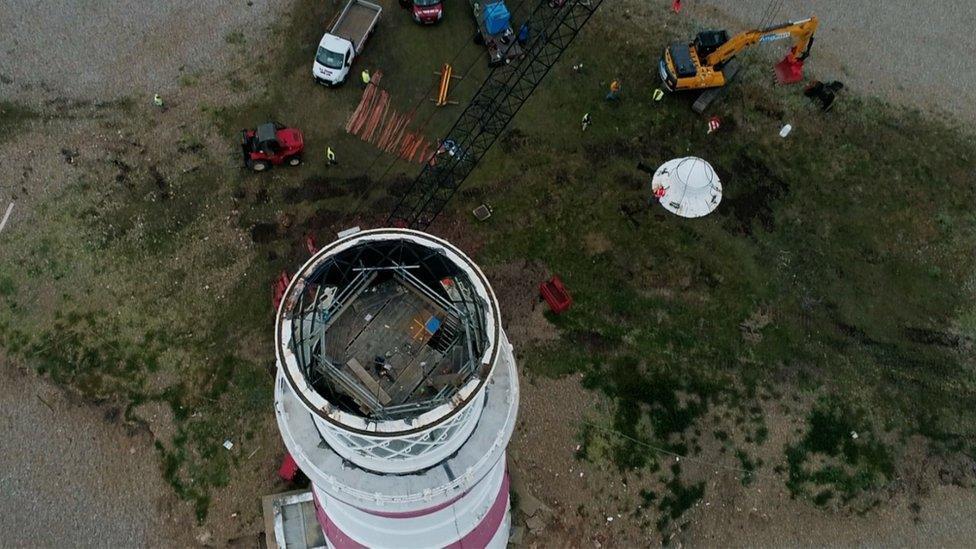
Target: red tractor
pixel 272 144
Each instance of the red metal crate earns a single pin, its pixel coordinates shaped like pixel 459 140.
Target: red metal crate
pixel 556 295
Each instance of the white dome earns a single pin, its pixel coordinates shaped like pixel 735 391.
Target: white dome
pixel 687 186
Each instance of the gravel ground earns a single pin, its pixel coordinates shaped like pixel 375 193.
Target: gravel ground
pixel 107 50
pixel 916 54
pixel 69 474
pixel 72 476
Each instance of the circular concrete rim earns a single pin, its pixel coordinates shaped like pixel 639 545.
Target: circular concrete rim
pixel 393 233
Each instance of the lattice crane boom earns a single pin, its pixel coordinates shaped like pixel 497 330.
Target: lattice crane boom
pixel 490 111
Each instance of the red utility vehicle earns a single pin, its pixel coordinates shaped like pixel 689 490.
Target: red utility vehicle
pixel 272 144
pixel 425 12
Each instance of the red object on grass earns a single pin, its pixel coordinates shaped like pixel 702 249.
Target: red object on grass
pixel 310 244
pixel 278 288
pixel 789 70
pixel 676 5
pixel 714 123
pixel 556 295
pixel 288 468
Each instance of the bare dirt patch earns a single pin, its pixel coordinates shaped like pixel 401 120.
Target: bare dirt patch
pixel 523 313
pixel 596 243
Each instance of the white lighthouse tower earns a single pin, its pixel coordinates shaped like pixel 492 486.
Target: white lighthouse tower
pixel 397 394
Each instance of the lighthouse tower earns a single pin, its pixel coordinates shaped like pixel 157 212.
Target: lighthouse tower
pixel 397 394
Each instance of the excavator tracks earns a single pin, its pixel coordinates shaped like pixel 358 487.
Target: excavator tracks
pixel 708 96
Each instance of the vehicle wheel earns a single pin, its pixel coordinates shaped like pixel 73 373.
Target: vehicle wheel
pixel 260 166
pixel 294 160
pixel 478 39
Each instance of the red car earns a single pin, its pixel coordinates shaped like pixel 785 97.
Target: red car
pixel 427 12
pixel 272 144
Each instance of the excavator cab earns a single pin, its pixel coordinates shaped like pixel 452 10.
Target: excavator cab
pixel 708 41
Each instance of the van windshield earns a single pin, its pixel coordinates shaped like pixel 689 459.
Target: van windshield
pixel 329 58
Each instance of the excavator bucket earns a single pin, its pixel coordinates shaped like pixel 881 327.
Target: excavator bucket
pixel 789 70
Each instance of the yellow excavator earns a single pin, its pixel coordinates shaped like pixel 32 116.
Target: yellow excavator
pixel 708 63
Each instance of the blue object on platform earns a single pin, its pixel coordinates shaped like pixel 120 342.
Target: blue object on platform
pixel 433 324
pixel 497 17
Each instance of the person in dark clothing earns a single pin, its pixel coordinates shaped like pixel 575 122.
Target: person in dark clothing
pixel 523 34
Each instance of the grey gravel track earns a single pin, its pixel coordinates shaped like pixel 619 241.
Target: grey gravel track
pixel 109 49
pixel 71 478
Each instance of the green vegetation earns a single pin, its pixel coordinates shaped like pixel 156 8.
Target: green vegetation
pixel 748 465
pixel 679 499
pixel 840 452
pixel 11 116
pixel 236 38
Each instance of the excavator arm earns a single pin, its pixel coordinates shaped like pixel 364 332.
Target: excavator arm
pixel 801 32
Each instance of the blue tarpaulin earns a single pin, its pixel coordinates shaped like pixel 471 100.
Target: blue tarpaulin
pixel 497 17
pixel 433 324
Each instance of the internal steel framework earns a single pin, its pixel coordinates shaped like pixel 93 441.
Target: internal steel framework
pixel 343 282
pixel 494 105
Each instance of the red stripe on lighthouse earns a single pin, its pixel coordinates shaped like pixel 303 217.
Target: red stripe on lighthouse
pixel 482 534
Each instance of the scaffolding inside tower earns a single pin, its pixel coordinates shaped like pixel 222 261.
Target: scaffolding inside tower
pixel 387 330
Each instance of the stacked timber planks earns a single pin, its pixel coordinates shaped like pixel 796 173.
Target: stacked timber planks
pixel 375 121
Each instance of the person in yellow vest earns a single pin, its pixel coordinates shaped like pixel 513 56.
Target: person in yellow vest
pixel 365 77
pixel 330 155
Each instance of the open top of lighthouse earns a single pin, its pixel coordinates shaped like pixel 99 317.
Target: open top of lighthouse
pixel 388 332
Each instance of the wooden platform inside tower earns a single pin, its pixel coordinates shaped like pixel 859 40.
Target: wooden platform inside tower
pixel 397 342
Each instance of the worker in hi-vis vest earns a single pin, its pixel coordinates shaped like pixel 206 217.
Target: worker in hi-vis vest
pixel 365 76
pixel 330 155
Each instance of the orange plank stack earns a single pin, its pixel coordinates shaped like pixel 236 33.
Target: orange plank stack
pixel 376 122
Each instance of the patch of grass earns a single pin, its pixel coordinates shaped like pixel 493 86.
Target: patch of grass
pixel 7 285
pixel 839 452
pixel 677 500
pixel 189 80
pixel 652 408
pixel 748 465
pixel 761 435
pixel 11 116
pixel 235 38
pixel 647 497
pixel 823 498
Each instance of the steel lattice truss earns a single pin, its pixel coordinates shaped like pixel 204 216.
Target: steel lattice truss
pixel 494 105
